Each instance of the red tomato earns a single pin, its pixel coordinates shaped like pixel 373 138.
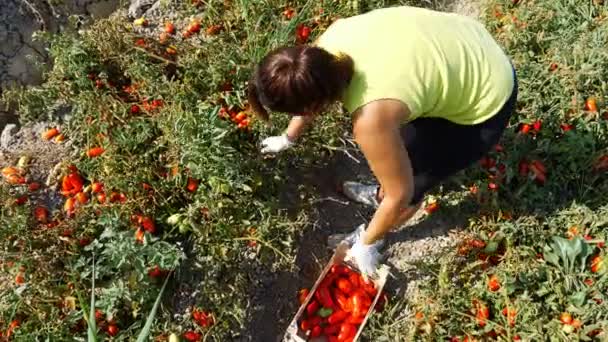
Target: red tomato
pixel 148 224
pixel 302 294
pixel 96 187
pixel 101 197
pixel 344 285
pixel 590 105
pixel 82 198
pixel 139 235
pixel 565 318
pixel 194 27
pixel 169 28
pixel 359 303
pixel 354 279
pixel 316 320
pixel 192 184
pixel 482 314
pixel 41 214
pixel 192 336
pixel 493 283
pixel 305 325
pixel 316 331
pixel 302 33
pixel 524 128
pixel 347 331
pixel 75 181
pixel 369 287
pixel 340 269
pixel 312 308
pixel 326 298
pixel 112 330
pixel 355 320
pixel 337 317
pixel 332 329
pixel 95 152
pixel 69 205
pixel 34 186
pixel 537 125
pixel 343 303
pixel 48 135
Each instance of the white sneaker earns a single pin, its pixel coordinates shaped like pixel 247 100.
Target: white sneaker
pixel 362 193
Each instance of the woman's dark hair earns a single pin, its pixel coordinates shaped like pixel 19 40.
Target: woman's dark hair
pixel 298 80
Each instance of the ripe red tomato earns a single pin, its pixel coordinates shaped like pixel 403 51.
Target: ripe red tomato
pixel 343 302
pixel 344 285
pixel 148 224
pixel 96 187
pixel 302 294
pixel 194 27
pixel 337 317
pixel 192 184
pixel 302 33
pixel 493 283
pixel 112 330
pixel 590 105
pixel 135 109
pixel 312 308
pixel 192 336
pixel 41 214
pixel 347 331
pixel 95 152
pixel 316 331
pixel 82 198
pixel 169 28
pixel 49 134
pixel 354 279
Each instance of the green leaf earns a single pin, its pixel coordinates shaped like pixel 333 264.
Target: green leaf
pixel 145 332
pixel 578 299
pixel 92 326
pixel 324 312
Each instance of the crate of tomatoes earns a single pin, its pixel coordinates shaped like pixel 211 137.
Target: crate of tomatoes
pixel 339 304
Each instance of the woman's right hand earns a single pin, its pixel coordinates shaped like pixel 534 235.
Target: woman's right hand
pixel 276 144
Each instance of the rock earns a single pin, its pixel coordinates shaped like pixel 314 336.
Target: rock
pixel 7 135
pixel 20 19
pixel 139 7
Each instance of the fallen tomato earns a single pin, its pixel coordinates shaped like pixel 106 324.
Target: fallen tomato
pixel 41 214
pixel 493 283
pixel 302 295
pixel 192 336
pixel 95 152
pixel 597 264
pixel 50 134
pixel 192 184
pixel 169 28
pixel 590 105
pixel 302 33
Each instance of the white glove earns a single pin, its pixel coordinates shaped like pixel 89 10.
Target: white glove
pixel 366 257
pixel 276 144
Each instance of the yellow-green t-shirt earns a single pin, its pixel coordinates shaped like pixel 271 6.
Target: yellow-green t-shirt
pixel 439 64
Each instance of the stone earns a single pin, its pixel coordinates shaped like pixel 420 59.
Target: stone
pixel 139 7
pixel 7 135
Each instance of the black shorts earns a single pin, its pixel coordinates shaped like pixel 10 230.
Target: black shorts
pixel 439 148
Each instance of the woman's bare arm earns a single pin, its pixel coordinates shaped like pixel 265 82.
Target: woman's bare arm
pixel 376 130
pixel 297 126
